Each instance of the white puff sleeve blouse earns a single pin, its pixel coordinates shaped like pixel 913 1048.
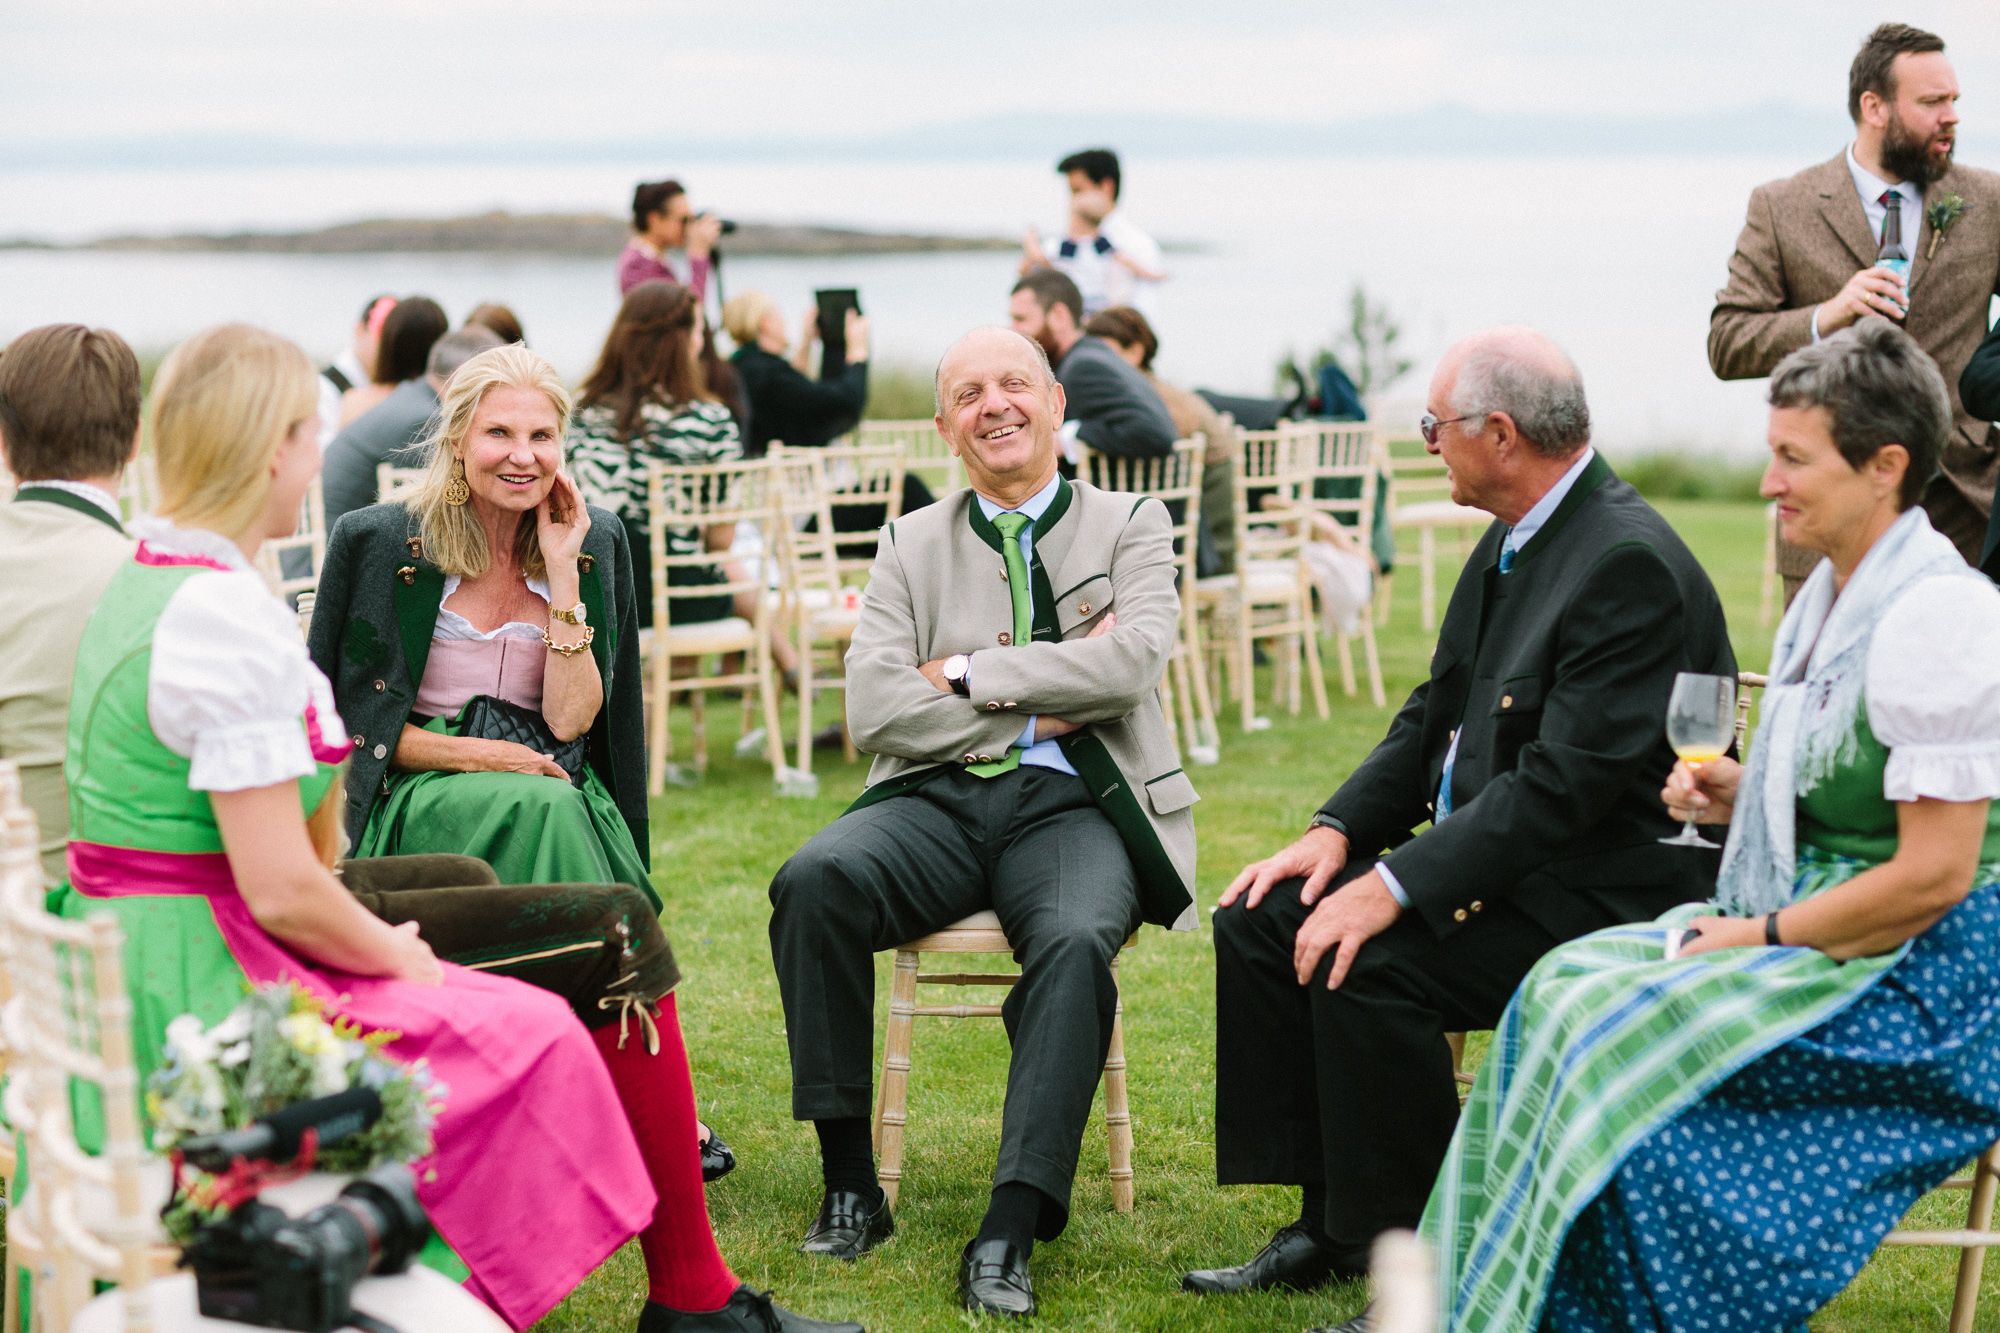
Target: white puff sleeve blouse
pixel 1933 690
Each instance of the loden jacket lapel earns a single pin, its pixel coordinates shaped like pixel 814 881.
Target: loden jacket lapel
pixel 419 589
pixel 1840 208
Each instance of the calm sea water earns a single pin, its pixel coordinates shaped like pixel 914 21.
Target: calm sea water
pixel 1618 258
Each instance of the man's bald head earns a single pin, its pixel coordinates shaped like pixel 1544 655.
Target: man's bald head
pixel 981 343
pixel 1523 373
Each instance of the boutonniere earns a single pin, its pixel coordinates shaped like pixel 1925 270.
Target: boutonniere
pixel 1942 214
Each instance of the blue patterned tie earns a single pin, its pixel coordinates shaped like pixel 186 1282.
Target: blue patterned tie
pixel 1507 551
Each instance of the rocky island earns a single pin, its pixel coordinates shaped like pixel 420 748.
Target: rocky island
pixel 502 232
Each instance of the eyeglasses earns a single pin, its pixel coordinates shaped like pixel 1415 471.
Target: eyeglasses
pixel 1427 426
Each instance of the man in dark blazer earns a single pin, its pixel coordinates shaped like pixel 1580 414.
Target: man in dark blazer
pixel 1535 750
pixel 1806 263
pixel 1111 407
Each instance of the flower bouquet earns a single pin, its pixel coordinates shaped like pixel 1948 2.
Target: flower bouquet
pixel 279 1046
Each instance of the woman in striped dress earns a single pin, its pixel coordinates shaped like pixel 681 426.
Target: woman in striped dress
pixel 1719 1140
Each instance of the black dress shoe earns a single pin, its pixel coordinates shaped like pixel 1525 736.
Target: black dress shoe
pixel 717 1158
pixel 849 1225
pixel 993 1279
pixel 748 1311
pixel 1294 1260
pixel 1361 1323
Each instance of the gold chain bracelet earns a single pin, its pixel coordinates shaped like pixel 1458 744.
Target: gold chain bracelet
pixel 571 649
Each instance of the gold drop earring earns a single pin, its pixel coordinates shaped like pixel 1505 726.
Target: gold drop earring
pixel 456 492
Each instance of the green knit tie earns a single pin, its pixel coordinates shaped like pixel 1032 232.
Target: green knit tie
pixel 1010 526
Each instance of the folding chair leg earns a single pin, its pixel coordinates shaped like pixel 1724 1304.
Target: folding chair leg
pixel 847 750
pixel 892 1111
pixel 1117 1111
pixel 1246 670
pixel 698 716
pixel 1318 672
pixel 805 706
pixel 1204 701
pixel 767 689
pixel 1373 656
pixel 657 720
pixel 1177 667
pixel 1342 642
pixel 1978 1217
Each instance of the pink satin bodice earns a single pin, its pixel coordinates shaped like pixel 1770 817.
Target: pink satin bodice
pixel 505 667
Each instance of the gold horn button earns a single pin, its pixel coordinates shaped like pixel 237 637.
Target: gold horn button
pixel 1005 638
pixel 408 574
pixel 1083 608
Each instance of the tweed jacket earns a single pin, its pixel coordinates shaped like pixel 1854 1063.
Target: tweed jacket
pixel 1554 679
pixel 1805 237
pixel 57 553
pixel 939 587
pixel 371 633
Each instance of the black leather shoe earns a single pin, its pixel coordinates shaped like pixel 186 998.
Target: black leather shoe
pixel 718 1159
pixel 993 1279
pixel 849 1225
pixel 748 1311
pixel 1361 1323
pixel 1294 1260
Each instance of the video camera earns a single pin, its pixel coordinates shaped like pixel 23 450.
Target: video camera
pixel 260 1266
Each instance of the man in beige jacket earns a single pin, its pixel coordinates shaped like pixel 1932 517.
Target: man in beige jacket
pixel 1806 264
pixel 69 425
pixel 1005 674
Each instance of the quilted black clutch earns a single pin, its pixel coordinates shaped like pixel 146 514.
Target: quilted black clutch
pixel 493 719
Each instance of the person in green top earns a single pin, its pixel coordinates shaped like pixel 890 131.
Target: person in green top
pixel 1710 1120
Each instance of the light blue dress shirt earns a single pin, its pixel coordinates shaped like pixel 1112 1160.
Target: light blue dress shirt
pixel 1040 754
pixel 1516 538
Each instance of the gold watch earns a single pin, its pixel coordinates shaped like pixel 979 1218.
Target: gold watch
pixel 573 616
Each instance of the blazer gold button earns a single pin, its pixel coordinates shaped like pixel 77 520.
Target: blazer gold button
pixel 357 740
pixel 992 705
pixel 1506 701
pixel 408 573
pixel 381 752
pixel 1083 608
pixel 380 686
pixel 1459 915
pixel 1005 638
pixel 1476 904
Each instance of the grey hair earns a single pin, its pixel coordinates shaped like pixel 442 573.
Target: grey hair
pixel 937 375
pixel 1877 388
pixel 1544 397
pixel 458 347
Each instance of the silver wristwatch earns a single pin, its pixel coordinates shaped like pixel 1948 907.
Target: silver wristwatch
pixel 956 669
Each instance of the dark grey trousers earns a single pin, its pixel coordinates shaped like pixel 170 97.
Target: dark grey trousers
pixel 1031 846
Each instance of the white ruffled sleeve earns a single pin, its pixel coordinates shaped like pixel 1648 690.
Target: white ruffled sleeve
pixel 1934 690
pixel 232 690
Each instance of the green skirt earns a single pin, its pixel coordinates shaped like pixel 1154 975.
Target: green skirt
pixel 531 829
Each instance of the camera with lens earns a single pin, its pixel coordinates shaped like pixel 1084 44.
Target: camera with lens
pixel 261 1266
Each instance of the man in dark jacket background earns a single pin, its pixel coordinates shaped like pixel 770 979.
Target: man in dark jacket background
pixel 1535 751
pixel 1111 407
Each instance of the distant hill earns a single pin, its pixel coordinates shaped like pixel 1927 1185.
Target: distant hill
pixel 520 233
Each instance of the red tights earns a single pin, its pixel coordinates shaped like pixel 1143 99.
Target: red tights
pixel 684 1270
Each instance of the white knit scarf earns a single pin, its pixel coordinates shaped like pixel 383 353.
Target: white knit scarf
pixel 1807 728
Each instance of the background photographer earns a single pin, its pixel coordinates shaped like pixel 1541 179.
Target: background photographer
pixel 663 220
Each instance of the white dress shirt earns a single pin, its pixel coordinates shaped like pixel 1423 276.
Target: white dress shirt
pixel 103 499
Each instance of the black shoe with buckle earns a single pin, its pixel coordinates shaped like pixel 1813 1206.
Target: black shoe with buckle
pixel 718 1159
pixel 1293 1260
pixel 849 1225
pixel 748 1311
pixel 993 1279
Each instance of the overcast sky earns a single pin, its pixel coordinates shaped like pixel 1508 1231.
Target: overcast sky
pixel 575 70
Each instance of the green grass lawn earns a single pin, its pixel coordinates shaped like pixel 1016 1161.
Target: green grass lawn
pixel 715 848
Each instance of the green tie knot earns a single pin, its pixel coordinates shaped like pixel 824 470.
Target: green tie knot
pixel 1011 523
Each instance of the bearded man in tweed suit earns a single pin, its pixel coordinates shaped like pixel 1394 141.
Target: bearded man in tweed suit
pixel 1805 265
